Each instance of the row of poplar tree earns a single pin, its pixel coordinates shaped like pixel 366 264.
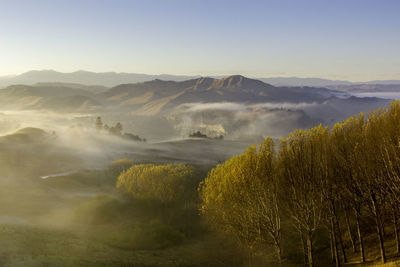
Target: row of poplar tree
pixel 340 181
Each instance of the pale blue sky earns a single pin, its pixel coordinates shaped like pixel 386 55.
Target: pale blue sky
pixel 336 39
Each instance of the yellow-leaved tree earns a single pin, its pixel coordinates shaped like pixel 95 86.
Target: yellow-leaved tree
pixel 165 184
pixel 240 198
pixel 390 152
pixel 346 139
pixel 303 169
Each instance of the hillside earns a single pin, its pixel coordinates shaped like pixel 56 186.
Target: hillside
pixel 90 88
pixel 154 97
pixel 47 96
pixel 107 79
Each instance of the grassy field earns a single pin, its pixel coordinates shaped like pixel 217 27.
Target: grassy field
pixel 23 245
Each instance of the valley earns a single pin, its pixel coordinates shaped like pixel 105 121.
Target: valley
pixel 60 161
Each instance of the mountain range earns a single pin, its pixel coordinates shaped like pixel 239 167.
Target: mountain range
pixel 156 96
pixel 107 79
pixel 110 79
pixel 234 106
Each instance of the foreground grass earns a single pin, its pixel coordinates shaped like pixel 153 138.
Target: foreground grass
pixel 23 245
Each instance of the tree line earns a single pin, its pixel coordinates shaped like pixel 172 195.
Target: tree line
pixel 338 184
pixel 116 130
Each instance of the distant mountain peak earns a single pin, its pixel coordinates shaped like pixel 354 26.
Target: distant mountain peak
pixel 111 79
pixel 203 82
pixel 236 77
pixel 235 80
pixel 239 81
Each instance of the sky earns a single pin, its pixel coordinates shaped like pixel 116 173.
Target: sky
pixel 356 40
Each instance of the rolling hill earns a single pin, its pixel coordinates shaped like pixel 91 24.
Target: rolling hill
pixel 157 96
pixel 107 79
pixel 49 97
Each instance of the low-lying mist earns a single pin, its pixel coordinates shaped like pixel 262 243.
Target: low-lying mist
pixel 238 121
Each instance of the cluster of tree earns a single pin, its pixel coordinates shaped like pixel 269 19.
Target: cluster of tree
pixel 162 183
pixel 166 192
pixel 117 131
pixel 198 134
pixel 339 181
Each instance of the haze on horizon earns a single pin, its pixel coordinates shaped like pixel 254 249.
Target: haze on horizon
pixel 344 40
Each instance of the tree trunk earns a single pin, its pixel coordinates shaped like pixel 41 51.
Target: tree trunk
pixel 341 241
pixel 351 236
pixel 309 250
pixel 304 245
pixel 382 227
pixel 332 248
pixel 380 239
pixel 334 243
pixel 396 232
pixel 379 226
pixel 360 239
pixel 339 233
pixel 278 251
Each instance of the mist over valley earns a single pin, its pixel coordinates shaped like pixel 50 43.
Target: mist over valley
pixel 199 133
pixel 64 147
